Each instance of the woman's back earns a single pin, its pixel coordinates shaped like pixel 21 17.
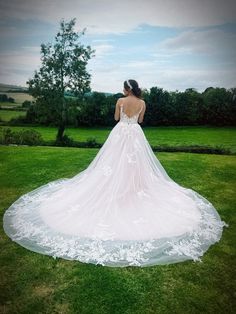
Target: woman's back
pixel 131 105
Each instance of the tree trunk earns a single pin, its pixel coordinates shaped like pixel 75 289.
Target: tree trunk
pixel 60 132
pixel 62 125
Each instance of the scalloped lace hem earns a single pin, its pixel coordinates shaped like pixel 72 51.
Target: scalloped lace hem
pixel 110 252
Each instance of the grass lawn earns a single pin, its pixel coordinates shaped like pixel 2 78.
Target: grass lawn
pixel 7 115
pixel 35 283
pixel 6 104
pixel 224 137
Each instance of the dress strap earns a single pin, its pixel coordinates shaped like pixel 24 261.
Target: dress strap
pixel 141 108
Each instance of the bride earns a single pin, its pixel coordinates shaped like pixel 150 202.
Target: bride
pixel 122 210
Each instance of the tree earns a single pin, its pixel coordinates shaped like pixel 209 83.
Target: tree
pixel 218 106
pixel 152 101
pixel 63 68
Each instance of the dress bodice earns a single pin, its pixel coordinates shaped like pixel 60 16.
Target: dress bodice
pixel 127 119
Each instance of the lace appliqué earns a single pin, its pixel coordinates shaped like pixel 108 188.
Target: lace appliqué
pixel 142 194
pixel 129 120
pixel 198 240
pixel 133 156
pixel 108 251
pixel 140 220
pixel 107 170
pixel 72 209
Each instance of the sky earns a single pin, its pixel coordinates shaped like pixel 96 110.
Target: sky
pixel 171 44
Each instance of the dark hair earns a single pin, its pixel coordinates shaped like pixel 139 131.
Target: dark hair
pixel 135 88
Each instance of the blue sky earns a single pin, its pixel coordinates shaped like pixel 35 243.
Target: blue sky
pixel 170 44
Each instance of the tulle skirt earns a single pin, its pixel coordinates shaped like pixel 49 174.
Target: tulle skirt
pixel 122 210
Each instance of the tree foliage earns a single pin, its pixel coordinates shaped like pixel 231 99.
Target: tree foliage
pixel 214 106
pixel 63 67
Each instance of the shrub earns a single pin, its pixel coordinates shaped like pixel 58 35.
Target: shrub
pixel 23 137
pixel 10 99
pixel 91 142
pixel 5 98
pixel 20 121
pixel 26 104
pixel 65 141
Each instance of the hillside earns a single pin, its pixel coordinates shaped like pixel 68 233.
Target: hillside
pixel 9 87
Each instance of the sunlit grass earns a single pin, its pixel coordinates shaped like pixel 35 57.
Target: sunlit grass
pixel 35 283
pixel 171 136
pixel 7 115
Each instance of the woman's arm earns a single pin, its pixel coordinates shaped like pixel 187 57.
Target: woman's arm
pixel 141 116
pixel 117 110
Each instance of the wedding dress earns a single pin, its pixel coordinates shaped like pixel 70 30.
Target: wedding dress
pixel 122 210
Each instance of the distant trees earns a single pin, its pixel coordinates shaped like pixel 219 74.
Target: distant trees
pixel 63 67
pixel 218 106
pixel 26 104
pixel 214 106
pixel 5 98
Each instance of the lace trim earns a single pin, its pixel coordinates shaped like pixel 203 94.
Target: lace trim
pixel 108 251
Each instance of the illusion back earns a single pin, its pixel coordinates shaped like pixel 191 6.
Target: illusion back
pixel 125 118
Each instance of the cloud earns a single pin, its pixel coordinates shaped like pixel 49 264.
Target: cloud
pixel 25 24
pixel 111 17
pixel 207 49
pixel 17 67
pixel 139 64
pixel 180 78
pixel 213 41
pixel 102 50
pixel 172 79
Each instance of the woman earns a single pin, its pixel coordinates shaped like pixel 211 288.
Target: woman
pixel 122 210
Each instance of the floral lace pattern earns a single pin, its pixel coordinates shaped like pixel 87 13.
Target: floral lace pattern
pixel 107 170
pixel 111 252
pixel 126 119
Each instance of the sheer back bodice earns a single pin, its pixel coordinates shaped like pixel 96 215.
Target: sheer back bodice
pixel 125 118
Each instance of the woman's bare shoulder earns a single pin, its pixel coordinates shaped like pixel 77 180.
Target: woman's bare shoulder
pixel 143 103
pixel 128 100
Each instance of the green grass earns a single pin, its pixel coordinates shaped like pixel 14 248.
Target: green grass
pixel 8 104
pixel 35 283
pixel 7 115
pixel 171 136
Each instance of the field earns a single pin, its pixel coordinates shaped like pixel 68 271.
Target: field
pixel 19 97
pixel 35 283
pixel 7 115
pixel 224 137
pixel 8 105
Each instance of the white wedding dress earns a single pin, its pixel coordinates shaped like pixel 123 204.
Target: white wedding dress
pixel 122 210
